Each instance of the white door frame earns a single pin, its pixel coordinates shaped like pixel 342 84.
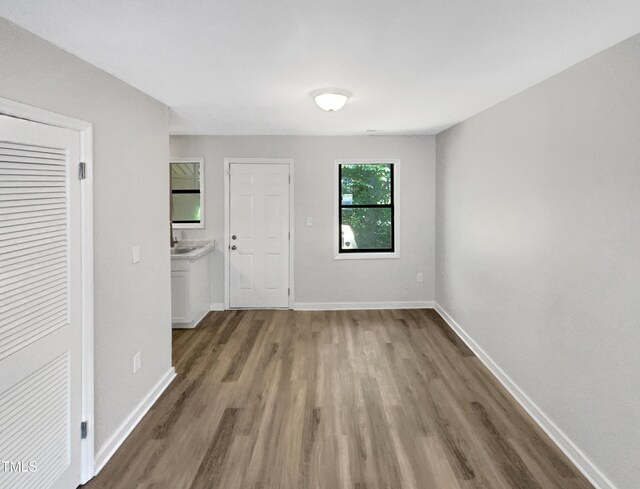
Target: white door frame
pixel 23 111
pixel 227 219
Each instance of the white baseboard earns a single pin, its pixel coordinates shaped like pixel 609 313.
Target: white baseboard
pixel 125 429
pixel 344 306
pixel 192 324
pixel 579 459
pixel 216 306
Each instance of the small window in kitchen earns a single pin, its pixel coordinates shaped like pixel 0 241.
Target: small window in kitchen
pixel 187 193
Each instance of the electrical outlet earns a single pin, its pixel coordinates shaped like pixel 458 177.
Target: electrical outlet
pixel 137 362
pixel 419 277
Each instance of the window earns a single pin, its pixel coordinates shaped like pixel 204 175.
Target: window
pixel 366 209
pixel 187 193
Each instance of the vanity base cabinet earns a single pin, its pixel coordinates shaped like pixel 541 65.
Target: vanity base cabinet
pixel 190 283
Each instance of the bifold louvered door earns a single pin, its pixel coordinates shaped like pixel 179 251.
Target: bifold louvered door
pixel 40 306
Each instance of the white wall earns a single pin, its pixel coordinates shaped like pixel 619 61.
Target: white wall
pixel 318 277
pixel 538 248
pixel 131 154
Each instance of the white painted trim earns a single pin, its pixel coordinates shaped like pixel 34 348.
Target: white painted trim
pixel 217 306
pixel 35 114
pixel 396 211
pixel 352 306
pixel 226 242
pixel 128 425
pixel 364 256
pixel 86 190
pixel 191 324
pixel 203 197
pixel 564 443
pixel 85 129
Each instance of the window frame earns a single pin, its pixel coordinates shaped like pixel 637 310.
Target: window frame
pixel 395 208
pixel 189 224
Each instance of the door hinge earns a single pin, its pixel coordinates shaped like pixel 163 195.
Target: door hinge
pixel 289 291
pixel 83 429
pixel 82 170
pixel 289 178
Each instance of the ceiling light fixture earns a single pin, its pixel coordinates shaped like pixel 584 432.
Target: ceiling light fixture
pixel 330 99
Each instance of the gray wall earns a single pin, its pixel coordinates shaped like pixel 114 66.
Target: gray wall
pixel 131 151
pixel 538 248
pixel 318 277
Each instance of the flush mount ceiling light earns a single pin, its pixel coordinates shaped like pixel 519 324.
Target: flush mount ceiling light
pixel 330 99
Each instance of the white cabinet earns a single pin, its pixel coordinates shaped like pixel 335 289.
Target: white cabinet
pixel 190 284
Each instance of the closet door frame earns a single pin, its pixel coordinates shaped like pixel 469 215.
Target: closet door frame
pixel 85 130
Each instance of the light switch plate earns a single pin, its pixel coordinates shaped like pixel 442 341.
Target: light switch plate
pixel 309 221
pixel 135 254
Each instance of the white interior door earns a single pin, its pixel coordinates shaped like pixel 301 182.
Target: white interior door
pixel 40 306
pixel 259 235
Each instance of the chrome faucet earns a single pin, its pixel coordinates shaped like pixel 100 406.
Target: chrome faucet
pixel 173 240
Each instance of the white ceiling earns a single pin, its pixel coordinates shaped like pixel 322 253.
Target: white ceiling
pixel 248 66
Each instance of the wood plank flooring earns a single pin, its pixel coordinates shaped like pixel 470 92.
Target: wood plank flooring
pixel 333 400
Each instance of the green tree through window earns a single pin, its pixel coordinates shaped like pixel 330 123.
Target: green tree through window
pixel 366 207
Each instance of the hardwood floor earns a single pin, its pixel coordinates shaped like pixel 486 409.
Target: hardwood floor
pixel 349 399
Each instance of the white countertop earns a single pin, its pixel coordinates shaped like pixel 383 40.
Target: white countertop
pixel 200 248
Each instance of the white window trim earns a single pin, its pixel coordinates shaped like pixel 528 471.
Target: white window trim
pixel 202 194
pixel 396 211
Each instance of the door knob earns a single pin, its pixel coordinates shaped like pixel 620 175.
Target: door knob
pixel 234 247
pixel 234 237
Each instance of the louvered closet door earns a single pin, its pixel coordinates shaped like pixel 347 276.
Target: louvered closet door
pixel 40 306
